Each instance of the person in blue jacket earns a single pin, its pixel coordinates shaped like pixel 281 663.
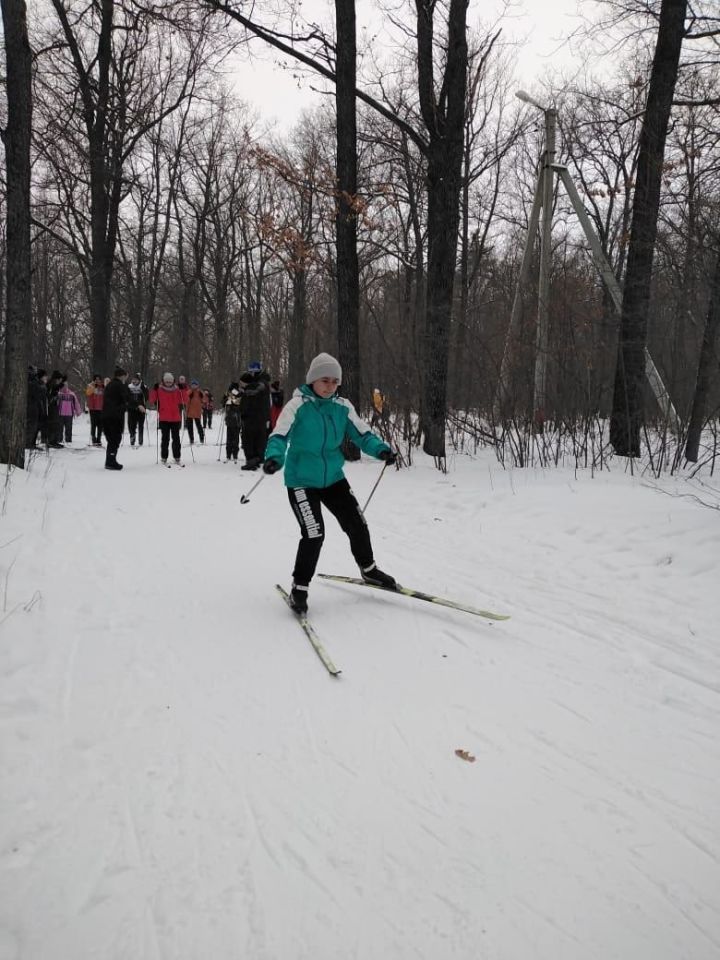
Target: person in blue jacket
pixel 307 441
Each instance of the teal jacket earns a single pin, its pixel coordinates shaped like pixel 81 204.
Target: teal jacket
pixel 309 434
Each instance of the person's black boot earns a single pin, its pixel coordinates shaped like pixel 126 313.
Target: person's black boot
pixel 299 598
pixel 375 576
pixel 111 462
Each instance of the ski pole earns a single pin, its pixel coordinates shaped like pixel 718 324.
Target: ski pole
pixel 385 466
pixel 245 498
pixel 190 440
pixel 222 427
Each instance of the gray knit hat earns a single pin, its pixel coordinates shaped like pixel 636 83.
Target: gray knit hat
pixel 323 366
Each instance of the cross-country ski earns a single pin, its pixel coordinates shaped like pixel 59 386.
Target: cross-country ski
pixel 417 595
pixel 310 634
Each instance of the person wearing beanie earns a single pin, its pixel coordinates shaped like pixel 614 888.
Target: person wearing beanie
pixel 231 402
pixel 254 413
pixel 94 395
pixel 136 409
pixel 115 402
pixel 68 406
pixel 307 441
pixel 167 398
pixel 208 405
pixel 193 412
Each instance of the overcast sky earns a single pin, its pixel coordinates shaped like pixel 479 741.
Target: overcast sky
pixel 541 25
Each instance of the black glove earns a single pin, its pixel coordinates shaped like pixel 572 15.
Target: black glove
pixel 271 466
pixel 389 456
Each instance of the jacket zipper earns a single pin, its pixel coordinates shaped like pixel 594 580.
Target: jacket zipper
pixel 324 457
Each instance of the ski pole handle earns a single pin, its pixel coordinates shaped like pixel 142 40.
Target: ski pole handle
pixel 245 498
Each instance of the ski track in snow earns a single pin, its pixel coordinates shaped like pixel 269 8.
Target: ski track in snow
pixel 182 779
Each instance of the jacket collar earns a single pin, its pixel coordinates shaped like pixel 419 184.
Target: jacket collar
pixel 308 393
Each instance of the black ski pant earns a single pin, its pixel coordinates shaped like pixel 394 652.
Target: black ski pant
pixel 96 426
pixel 136 423
pixel 254 440
pixel 113 435
pixel 207 419
pixel 54 426
pixel 340 501
pixel 189 424
pixel 166 429
pixel 32 425
pixel 232 439
pixel 67 423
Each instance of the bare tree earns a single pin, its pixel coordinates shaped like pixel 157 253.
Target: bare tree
pixel 18 323
pixel 627 410
pixel 708 363
pixel 128 74
pixel 348 274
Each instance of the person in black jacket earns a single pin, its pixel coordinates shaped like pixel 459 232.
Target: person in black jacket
pixel 254 413
pixel 36 407
pixel 231 405
pixel 136 408
pixel 54 426
pixel 116 402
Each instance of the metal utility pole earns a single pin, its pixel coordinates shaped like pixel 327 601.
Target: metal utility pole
pixel 543 320
pixel 543 199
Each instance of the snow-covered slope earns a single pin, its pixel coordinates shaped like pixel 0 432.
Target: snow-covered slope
pixel 183 780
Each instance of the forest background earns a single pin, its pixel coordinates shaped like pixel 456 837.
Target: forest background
pixel 170 227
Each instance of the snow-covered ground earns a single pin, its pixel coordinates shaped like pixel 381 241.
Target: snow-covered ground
pixel 181 778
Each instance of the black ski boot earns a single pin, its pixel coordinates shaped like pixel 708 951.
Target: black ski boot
pixel 375 576
pixel 299 598
pixel 112 464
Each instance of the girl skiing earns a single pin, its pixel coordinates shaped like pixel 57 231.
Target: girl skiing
pixel 307 440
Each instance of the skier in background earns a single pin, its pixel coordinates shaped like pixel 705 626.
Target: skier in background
pixel 68 407
pixel 54 424
pixel 232 404
pixel 94 400
pixel 194 411
pixel 36 407
pixel 136 409
pixel 116 399
pixel 308 441
pixel 166 396
pixel 254 413
pixel 208 406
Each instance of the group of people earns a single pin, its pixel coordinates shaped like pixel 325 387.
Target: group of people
pixel 51 408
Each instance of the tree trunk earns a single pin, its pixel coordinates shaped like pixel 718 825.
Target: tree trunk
pixel 16 138
pixel 347 270
pixel 708 362
pixel 444 118
pixel 296 338
pixel 627 411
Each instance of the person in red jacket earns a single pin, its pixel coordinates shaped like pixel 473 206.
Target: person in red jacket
pixel 94 400
pixel 167 397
